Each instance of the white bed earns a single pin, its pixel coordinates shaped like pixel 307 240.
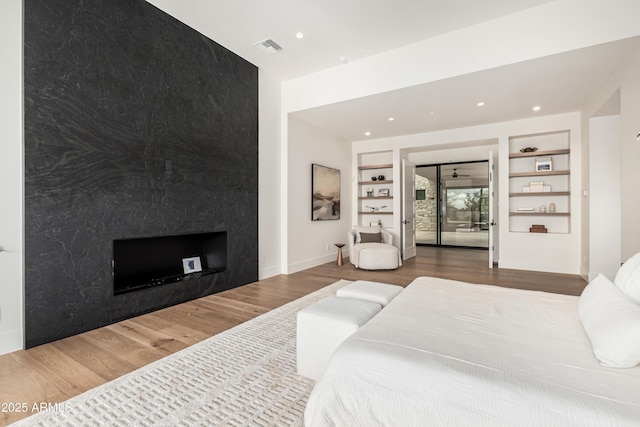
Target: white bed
pixel 447 353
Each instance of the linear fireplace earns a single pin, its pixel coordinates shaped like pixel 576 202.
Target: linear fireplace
pixel 144 262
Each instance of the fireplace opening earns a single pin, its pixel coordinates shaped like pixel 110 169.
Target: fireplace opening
pixel 151 261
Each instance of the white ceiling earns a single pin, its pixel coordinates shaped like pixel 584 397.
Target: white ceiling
pixel 358 28
pixel 558 84
pixel 332 28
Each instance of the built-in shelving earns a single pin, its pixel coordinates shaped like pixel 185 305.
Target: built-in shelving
pixel 539 214
pixel 538 174
pixel 386 181
pixel 540 193
pixel 554 148
pixel 371 167
pixel 380 202
pixel 539 153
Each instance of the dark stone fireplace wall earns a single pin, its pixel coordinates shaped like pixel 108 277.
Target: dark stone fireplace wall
pixel 135 126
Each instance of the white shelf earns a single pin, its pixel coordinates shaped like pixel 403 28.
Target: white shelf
pixel 522 171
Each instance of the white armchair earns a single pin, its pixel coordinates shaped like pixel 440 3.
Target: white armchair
pixel 371 248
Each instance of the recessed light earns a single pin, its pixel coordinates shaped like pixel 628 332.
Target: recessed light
pixel 367 133
pixel 480 104
pixel 391 119
pixel 536 108
pixel 343 59
pixel 299 35
pixel 432 112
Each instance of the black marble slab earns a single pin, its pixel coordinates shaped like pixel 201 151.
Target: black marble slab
pixel 135 126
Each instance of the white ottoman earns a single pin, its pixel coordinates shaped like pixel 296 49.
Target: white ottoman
pixel 323 326
pixel 382 293
pixel 379 257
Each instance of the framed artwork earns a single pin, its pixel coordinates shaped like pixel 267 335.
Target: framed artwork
pixel 191 265
pixel 383 192
pixel 325 193
pixel 543 164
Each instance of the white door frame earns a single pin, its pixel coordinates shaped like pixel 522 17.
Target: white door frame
pixel 408 209
pixel 492 210
pixel 11 179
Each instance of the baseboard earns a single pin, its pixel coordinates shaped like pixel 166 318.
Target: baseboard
pixel 269 271
pixel 312 262
pixel 593 274
pixel 11 341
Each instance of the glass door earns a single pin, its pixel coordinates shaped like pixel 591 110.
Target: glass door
pixel 452 205
pixel 427 206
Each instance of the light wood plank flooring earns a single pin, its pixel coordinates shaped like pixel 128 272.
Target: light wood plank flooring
pixel 62 369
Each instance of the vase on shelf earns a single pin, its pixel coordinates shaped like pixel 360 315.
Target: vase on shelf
pixel 552 207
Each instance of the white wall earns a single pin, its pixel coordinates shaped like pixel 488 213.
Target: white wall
pixel 270 162
pixel 307 240
pixel 630 155
pixel 604 196
pixel 556 253
pixel 11 172
pixel 627 81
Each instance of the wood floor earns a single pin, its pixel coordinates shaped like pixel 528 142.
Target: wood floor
pixel 62 369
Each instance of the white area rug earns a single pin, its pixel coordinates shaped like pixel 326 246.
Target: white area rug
pixel 245 376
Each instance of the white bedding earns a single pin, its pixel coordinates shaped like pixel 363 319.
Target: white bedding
pixel 447 353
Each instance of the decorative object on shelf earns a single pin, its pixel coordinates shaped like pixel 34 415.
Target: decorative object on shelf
pixel 552 207
pixel 375 223
pixel 537 228
pixel 191 265
pixel 374 178
pixel 375 208
pixel 528 149
pixel 542 209
pixel 536 187
pixel 383 192
pixel 525 210
pixel 369 192
pixel 325 193
pixel 380 177
pixel 543 164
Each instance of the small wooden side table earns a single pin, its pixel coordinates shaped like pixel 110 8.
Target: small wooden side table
pixel 339 246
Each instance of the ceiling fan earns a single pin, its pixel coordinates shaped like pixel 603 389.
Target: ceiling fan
pixel 456 174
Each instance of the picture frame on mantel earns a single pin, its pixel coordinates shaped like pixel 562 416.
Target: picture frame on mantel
pixel 191 265
pixel 325 193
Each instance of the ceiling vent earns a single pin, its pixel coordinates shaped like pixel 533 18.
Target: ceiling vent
pixel 268 46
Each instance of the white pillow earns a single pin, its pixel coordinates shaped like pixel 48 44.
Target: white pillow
pixel 612 322
pixel 359 229
pixel 628 278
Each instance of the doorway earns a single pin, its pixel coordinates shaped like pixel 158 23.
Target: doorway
pixel 452 204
